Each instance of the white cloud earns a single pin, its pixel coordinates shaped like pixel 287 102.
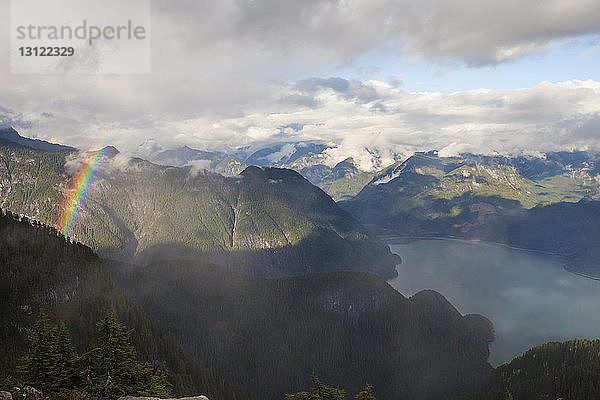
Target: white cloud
pixel 285 152
pixel 455 149
pixel 221 74
pixel 198 166
pixel 546 117
pixel 120 162
pixel 75 161
pixel 304 32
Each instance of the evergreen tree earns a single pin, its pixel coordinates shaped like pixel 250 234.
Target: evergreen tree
pixel 319 391
pixel 66 377
pixel 158 386
pixel 114 369
pixel 8 382
pixel 114 360
pixel 366 394
pixel 38 367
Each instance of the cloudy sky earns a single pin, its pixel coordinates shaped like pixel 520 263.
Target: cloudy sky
pixel 504 76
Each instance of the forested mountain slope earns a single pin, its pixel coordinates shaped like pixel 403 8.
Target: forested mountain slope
pixel 567 370
pixel 545 203
pixel 264 221
pixel 428 193
pixel 39 268
pixel 348 328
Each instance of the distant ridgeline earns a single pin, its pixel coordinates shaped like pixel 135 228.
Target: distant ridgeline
pixel 40 269
pixel 269 222
pixel 547 204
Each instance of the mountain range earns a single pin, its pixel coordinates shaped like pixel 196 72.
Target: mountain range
pixel 264 221
pixel 544 203
pixel 494 198
pixel 341 181
pixel 253 277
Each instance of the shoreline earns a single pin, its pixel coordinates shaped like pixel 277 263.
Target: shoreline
pixel 391 240
pixel 399 240
pixel 570 269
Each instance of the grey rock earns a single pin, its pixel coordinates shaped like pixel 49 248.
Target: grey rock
pixel 200 397
pixel 5 396
pixel 17 393
pixel 32 393
pixel 26 393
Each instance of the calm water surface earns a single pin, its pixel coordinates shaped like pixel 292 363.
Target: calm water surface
pixel 528 296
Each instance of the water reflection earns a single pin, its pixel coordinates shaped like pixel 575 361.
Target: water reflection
pixel 528 296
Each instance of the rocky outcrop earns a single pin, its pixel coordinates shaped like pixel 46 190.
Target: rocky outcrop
pixel 5 395
pixel 26 393
pixel 201 397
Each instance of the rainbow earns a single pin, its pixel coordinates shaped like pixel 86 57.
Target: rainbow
pixel 78 190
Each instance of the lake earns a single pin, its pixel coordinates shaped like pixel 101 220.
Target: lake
pixel 528 296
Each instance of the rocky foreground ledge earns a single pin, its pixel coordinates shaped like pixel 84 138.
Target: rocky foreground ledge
pixel 26 393
pixel 201 397
pixel 31 393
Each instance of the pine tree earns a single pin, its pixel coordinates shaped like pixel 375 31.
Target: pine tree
pixel 319 391
pixel 65 368
pixel 158 386
pixel 366 394
pixel 113 361
pixel 38 367
pixel 114 368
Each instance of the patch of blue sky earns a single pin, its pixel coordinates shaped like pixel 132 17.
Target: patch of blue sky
pixel 573 60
